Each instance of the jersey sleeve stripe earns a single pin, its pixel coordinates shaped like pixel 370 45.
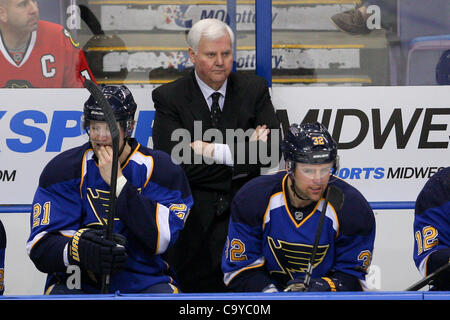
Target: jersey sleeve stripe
pixel 332 215
pixel 275 201
pixel 87 156
pixel 131 155
pixel 162 223
pixel 230 275
pixel 147 161
pixel 67 233
pixel 30 244
pixel 423 264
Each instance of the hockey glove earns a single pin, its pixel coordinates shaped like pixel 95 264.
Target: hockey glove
pixel 436 260
pixel 91 251
pixel 318 284
pixel 295 285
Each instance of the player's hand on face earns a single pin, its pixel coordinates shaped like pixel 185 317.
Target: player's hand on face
pixel 105 157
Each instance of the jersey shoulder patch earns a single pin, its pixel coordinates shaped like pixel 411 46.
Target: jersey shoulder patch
pixel 68 35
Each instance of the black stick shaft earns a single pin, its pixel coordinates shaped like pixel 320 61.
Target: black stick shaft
pixel 422 283
pixel 316 241
pixel 112 208
pixel 114 130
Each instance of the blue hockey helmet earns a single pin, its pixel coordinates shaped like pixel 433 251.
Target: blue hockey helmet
pixel 309 143
pixel 122 103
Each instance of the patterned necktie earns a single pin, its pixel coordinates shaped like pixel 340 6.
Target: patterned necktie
pixel 215 109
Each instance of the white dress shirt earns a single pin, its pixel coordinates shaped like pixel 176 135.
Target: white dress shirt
pixel 222 152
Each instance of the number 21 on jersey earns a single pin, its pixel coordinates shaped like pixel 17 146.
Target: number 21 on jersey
pixel 41 214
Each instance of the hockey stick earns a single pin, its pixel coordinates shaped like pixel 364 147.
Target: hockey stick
pixel 91 20
pixel 114 130
pixel 336 198
pixel 422 283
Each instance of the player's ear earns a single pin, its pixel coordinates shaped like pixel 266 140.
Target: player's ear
pixel 191 55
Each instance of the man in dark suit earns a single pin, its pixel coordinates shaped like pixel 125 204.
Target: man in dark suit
pixel 226 122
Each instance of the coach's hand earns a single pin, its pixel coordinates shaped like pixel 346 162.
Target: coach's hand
pixel 261 133
pixel 90 250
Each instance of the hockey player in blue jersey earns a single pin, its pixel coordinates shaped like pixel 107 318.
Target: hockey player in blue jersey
pixel 432 229
pixel 274 221
pixel 71 204
pixel 2 258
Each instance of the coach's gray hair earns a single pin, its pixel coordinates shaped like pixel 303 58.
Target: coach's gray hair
pixel 211 29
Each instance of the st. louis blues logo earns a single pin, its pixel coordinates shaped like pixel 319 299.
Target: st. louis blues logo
pixel 294 257
pixel 99 201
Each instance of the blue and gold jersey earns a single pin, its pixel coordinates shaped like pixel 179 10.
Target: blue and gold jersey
pixel 266 233
pixel 432 219
pixel 150 210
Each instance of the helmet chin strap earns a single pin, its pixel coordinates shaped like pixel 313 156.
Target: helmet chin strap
pixel 128 128
pixel 295 191
pixel 125 140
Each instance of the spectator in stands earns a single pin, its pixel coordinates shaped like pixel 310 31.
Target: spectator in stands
pixel 355 21
pixel 212 99
pixel 443 69
pixel 37 53
pixel 432 229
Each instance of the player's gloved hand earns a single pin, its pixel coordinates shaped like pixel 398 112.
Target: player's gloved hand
pixel 90 250
pixel 436 260
pixel 315 285
pixel 270 288
pixel 295 285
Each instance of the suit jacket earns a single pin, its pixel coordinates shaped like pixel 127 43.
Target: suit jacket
pixel 178 104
